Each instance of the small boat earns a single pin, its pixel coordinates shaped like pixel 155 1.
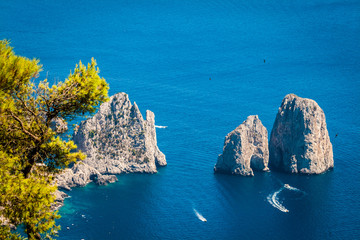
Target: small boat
pixel 287 186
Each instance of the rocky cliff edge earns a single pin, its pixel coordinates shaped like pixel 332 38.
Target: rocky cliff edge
pixel 116 140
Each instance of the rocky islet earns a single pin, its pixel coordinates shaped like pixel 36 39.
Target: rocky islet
pixel 245 149
pixel 115 140
pixel 118 140
pixel 299 142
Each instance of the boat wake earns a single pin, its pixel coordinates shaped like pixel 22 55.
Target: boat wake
pixel 199 216
pixel 287 186
pixel 274 201
pixel 273 198
pixel 160 126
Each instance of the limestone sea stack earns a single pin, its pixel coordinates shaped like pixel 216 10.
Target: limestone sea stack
pixel 300 141
pixel 116 140
pixel 245 149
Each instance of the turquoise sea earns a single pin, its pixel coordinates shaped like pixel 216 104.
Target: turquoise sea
pixel 199 66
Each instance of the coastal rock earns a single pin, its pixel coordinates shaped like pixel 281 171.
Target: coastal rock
pixel 58 125
pixel 245 149
pixel 299 141
pixel 116 140
pixel 59 199
pixel 80 175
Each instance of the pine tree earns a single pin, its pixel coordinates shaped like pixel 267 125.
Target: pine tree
pixel 31 149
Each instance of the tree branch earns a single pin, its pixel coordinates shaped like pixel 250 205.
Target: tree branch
pixel 23 127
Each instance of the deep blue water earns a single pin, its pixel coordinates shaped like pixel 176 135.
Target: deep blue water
pixel 162 53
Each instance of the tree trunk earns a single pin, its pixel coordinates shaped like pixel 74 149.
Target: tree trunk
pixel 31 161
pixel 31 233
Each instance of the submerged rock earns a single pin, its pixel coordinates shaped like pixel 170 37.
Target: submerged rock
pixel 116 140
pixel 299 141
pixel 245 149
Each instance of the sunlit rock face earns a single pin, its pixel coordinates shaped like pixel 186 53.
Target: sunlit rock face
pixel 116 140
pixel 245 149
pixel 299 141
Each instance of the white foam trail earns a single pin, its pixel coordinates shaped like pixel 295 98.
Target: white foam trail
pixel 274 201
pixel 287 186
pixel 160 126
pixel 199 216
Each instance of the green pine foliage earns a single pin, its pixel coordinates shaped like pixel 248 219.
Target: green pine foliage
pixel 30 151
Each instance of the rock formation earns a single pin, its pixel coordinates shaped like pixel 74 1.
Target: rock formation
pixel 58 125
pixel 299 141
pixel 59 199
pixel 116 140
pixel 245 149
